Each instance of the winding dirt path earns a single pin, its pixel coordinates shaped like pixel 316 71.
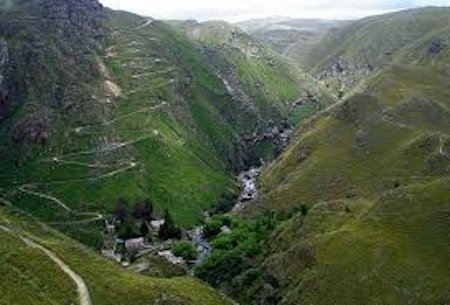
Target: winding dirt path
pixel 24 189
pixel 83 291
pixel 149 21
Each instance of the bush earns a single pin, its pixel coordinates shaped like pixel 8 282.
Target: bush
pixel 128 230
pixel 121 211
pixel 185 249
pixel 213 227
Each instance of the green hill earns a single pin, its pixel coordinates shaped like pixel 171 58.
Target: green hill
pixel 360 196
pixel 136 112
pixel 365 188
pixel 349 54
pixel 278 90
pixel 101 107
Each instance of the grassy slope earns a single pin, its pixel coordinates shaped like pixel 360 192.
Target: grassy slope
pixel 41 281
pixel 375 173
pixel 366 45
pixel 390 134
pixel 173 115
pixel 291 37
pixel 271 81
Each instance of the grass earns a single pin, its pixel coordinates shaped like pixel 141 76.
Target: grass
pixel 368 45
pixel 370 179
pixel 394 251
pixel 365 155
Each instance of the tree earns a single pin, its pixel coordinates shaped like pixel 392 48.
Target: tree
pixel 144 229
pixel 169 229
pixel 143 210
pixel 121 210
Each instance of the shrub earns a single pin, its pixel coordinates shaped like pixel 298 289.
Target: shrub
pixel 213 227
pixel 121 210
pixel 185 249
pixel 233 251
pixel 128 230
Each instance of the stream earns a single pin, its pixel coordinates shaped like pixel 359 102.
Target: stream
pixel 247 182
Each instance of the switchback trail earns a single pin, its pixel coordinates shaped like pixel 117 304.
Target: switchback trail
pixel 83 291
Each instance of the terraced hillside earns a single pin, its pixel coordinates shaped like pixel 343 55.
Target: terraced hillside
pixel 32 273
pixel 136 113
pixel 365 189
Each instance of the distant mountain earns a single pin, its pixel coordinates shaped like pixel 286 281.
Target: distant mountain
pixel 291 37
pixel 349 54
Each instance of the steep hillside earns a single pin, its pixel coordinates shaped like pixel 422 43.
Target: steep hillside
pixel 359 199
pixel 276 88
pixel 100 105
pixel 349 54
pixel 30 275
pixel 365 189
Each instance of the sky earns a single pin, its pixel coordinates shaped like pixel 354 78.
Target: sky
pixel 239 10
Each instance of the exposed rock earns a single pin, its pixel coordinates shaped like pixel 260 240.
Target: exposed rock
pixel 436 47
pixel 4 59
pixel 48 70
pixel 361 138
pixel 33 131
pixel 77 20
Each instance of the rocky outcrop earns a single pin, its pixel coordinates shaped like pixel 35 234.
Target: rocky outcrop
pixel 4 58
pixel 46 51
pixel 77 20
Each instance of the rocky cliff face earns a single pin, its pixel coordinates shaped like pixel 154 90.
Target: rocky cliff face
pixel 77 20
pixel 45 55
pixel 3 89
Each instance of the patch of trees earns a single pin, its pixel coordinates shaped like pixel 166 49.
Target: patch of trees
pixel 169 229
pixel 233 251
pixel 133 222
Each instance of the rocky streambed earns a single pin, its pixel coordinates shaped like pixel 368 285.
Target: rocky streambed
pixel 248 191
pixel 247 181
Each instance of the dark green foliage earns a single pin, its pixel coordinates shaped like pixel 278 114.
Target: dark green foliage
pixel 169 229
pixel 121 211
pixel 128 230
pixel 143 210
pixel 232 252
pixel 185 249
pixel 212 227
pixel 144 229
